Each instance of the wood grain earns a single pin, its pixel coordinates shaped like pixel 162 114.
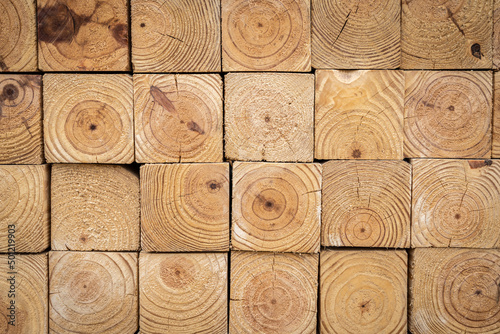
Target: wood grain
pixel 18 36
pixel 273 293
pixel 94 207
pixel 366 204
pixel 178 118
pixel 496 35
pixel 183 293
pixel 83 35
pixel 456 203
pixel 88 118
pixel 31 290
pixel 185 207
pixel 269 116
pixel 21 139
pixel 359 115
pixel 24 202
pixel 446 34
pixel 447 114
pixel 363 291
pixel 361 35
pixel 276 207
pixel 176 36
pixel 454 291
pixel 495 149
pixel 93 292
pixel 266 35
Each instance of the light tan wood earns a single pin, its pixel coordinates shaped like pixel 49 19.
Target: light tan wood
pixel 18 36
pixel 356 35
pixel 266 35
pixel 276 207
pixel 83 35
pixel 495 149
pixel 454 291
pixel 273 293
pixel 88 118
pixel 183 293
pixel 94 207
pixel 456 203
pixel 359 115
pixel 363 291
pixel 24 202
pixel 21 139
pixel 185 207
pixel 269 116
pixel 176 36
pixel 93 292
pixel 447 114
pixel 366 204
pixel 496 34
pixel 30 293
pixel 446 35
pixel 178 118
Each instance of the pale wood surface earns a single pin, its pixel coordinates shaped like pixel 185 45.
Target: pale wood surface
pixel 366 204
pixel 183 293
pixel 269 116
pixel 495 149
pixel 454 291
pixel 21 139
pixel 88 118
pixel 496 34
pixel 446 35
pixel 363 291
pixel 185 207
pixel 276 207
pixel 359 115
pixel 86 35
pixel 266 35
pixel 176 35
pixel 31 290
pixel 94 207
pixel 456 203
pixel 18 36
pixel 93 292
pixel 357 35
pixel 24 202
pixel 178 118
pixel 273 293
pixel 448 114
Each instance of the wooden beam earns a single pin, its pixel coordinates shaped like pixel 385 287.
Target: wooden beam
pixel 24 203
pixel 363 291
pixel 356 35
pixel 176 36
pixel 83 35
pixel 21 139
pixel 448 114
pixel 455 203
pixel 269 116
pixel 437 35
pixel 88 118
pixel 273 293
pixel 178 118
pixel 366 204
pixel 495 149
pixel 183 293
pixel 359 115
pixel 94 207
pixel 276 207
pixel 454 291
pixel 93 292
pixel 266 35
pixel 18 36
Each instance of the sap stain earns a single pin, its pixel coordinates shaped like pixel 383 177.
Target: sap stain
pixel 474 164
pixel 193 126
pixel 476 50
pixel 162 99
pixel 58 24
pixel 10 92
pixel 120 34
pixel 3 67
pixel 356 154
